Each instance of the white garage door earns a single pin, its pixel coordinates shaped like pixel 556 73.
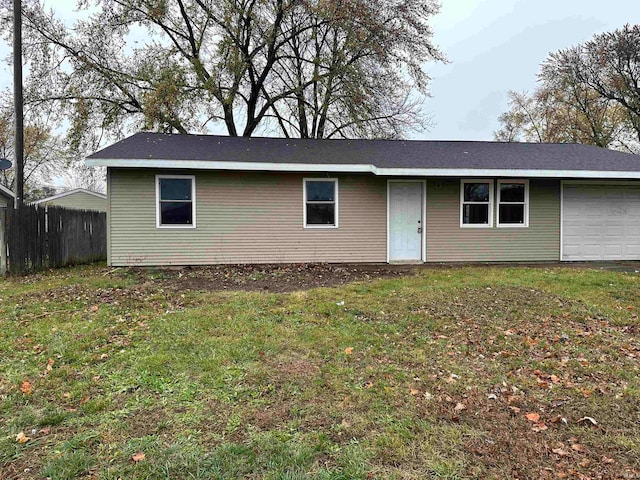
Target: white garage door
pixel 601 222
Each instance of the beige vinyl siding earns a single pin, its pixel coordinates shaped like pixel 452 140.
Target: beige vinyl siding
pixel 244 217
pixel 448 242
pixel 80 201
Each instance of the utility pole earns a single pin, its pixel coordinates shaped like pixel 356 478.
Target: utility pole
pixel 18 101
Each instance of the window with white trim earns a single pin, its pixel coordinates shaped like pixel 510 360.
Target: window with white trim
pixel 513 203
pixel 320 203
pixel 476 203
pixel 175 201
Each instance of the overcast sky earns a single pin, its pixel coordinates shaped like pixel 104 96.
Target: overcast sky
pixel 497 45
pixel 493 46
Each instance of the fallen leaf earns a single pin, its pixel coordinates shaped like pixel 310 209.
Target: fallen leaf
pixel 94 308
pixel 50 363
pixel 560 451
pixel 577 447
pixel 21 438
pixel 368 384
pixel 414 391
pixel 533 417
pixel 607 460
pixel 559 419
pixel 348 350
pixel 138 457
pixel 25 387
pixel 459 407
pixel 66 395
pixel 84 399
pixel 514 409
pixel 539 427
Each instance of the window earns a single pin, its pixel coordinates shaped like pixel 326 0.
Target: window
pixel 476 203
pixel 513 203
pixel 175 201
pixel 321 203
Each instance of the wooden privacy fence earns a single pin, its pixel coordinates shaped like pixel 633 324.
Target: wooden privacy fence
pixel 40 238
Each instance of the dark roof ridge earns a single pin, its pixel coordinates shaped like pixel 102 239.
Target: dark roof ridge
pixel 498 142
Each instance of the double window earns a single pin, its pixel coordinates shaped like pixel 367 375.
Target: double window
pixel 175 201
pixel 477 203
pixel 320 203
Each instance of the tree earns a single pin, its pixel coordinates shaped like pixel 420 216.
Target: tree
pixel 46 154
pixel 565 107
pixel 40 192
pixel 564 113
pixel 316 68
pixel 610 64
pixel 350 77
pixel 42 149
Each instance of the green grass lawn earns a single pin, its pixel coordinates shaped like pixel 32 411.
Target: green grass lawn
pixel 449 373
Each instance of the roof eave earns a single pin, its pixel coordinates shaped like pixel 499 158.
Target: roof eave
pixel 360 168
pixel 67 193
pixel 7 192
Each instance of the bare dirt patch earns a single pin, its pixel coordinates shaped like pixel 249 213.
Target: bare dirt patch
pixel 272 278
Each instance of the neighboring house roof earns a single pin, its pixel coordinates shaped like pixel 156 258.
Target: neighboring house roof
pixel 380 157
pixel 70 192
pixel 6 192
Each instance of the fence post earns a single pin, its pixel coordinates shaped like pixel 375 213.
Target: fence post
pixel 3 240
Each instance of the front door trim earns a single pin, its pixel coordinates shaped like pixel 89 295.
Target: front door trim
pixel 423 221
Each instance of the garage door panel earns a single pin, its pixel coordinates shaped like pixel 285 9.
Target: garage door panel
pixel 601 222
pixel 612 250
pixel 614 231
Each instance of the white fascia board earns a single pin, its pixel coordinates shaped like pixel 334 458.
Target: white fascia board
pixel 211 165
pixel 7 192
pixel 359 168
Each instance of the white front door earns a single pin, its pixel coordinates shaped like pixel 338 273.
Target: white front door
pixel 405 221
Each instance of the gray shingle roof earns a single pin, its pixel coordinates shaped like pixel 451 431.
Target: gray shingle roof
pixel 410 154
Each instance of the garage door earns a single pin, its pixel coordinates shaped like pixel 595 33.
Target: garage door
pixel 601 222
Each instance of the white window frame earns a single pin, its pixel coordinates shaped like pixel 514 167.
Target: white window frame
pixel 526 204
pixel 490 204
pixel 193 201
pixel 304 202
